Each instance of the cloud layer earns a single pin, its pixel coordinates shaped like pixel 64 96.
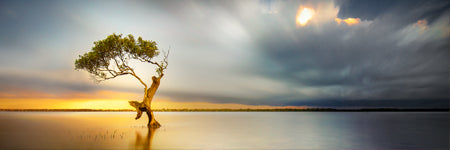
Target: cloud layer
pixel 248 52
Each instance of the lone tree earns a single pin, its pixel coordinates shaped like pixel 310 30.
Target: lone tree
pixel 109 59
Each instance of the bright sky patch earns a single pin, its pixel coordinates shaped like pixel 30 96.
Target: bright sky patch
pixel 304 15
pixel 348 21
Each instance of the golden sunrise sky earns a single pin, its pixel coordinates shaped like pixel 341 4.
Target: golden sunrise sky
pixel 117 100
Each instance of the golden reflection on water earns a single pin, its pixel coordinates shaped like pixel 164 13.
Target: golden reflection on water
pixel 73 131
pixel 144 142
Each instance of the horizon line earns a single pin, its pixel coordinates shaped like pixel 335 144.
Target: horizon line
pixel 232 110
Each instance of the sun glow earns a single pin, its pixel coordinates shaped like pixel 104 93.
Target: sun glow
pixel 421 24
pixel 348 21
pixel 304 15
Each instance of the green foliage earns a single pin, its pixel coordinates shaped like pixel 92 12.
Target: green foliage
pixel 109 57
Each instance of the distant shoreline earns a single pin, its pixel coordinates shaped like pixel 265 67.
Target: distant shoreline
pixel 241 110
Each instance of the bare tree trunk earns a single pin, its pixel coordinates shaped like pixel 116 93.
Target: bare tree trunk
pixel 152 123
pixel 144 107
pixel 146 104
pixel 148 101
pixel 151 118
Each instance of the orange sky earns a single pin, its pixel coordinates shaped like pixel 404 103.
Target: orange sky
pixel 105 100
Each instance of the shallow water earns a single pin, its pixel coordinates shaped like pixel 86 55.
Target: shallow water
pixel 225 130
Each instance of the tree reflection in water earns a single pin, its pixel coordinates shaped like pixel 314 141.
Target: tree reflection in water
pixel 144 143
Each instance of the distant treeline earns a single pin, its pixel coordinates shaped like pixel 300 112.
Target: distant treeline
pixel 242 110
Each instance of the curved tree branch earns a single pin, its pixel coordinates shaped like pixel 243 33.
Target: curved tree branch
pixel 140 80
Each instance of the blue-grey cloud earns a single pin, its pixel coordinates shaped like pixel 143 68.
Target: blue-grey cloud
pixel 409 10
pixel 28 84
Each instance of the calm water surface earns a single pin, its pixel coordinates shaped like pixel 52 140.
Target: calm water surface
pixel 226 130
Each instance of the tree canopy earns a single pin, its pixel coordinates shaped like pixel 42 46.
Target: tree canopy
pixel 109 57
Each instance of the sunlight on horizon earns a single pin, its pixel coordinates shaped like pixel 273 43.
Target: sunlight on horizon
pixel 109 100
pixel 117 104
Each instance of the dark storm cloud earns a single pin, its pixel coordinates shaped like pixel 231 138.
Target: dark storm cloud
pixel 372 61
pixel 364 9
pixel 381 103
pixel 409 10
